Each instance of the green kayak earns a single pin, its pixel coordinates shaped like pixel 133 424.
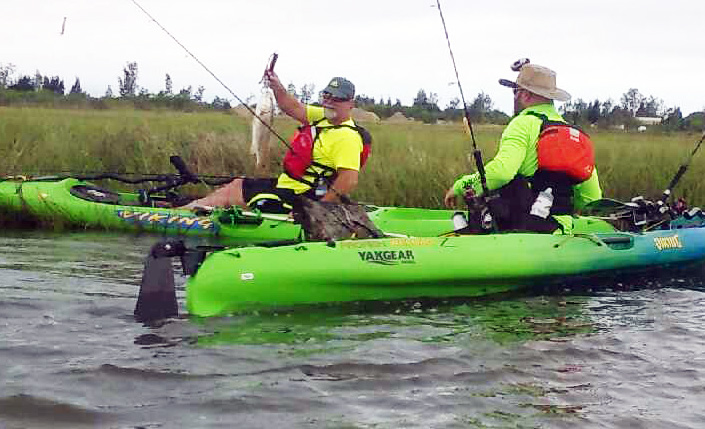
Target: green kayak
pixel 240 279
pixel 80 203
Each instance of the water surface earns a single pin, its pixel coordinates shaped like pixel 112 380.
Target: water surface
pixel 72 355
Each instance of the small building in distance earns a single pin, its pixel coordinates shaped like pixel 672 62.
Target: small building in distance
pixel 648 120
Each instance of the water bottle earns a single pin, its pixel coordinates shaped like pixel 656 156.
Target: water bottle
pixel 459 221
pixel 543 203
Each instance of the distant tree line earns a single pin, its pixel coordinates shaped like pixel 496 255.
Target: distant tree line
pixel 425 108
pixel 51 90
pixel 603 114
pixel 632 105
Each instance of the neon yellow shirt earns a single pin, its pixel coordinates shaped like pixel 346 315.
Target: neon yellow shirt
pixel 335 148
pixel 517 155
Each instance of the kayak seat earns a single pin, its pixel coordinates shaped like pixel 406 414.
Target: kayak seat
pixel 96 194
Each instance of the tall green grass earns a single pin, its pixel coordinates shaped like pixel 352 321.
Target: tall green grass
pixel 412 164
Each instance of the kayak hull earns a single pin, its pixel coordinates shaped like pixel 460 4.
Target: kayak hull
pixel 234 280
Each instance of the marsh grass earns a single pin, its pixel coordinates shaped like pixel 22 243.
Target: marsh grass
pixel 412 163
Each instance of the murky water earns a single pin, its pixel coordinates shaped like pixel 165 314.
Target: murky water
pixel 72 356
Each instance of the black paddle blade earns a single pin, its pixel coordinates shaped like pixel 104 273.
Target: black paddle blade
pixel 157 296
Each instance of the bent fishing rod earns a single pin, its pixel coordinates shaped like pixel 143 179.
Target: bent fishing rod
pixel 477 155
pixel 270 67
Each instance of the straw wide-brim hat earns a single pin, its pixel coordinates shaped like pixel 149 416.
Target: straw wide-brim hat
pixel 539 80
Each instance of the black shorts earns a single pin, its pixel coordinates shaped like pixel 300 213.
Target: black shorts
pixel 264 195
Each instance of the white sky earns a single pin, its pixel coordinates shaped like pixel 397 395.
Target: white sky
pixel 388 48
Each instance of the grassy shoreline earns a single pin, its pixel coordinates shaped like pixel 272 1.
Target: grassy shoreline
pixel 412 164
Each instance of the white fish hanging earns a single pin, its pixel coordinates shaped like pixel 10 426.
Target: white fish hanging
pixel 261 135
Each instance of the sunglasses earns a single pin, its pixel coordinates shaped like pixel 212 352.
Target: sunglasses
pixel 329 97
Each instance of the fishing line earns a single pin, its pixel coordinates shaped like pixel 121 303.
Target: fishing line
pixel 477 155
pixel 213 74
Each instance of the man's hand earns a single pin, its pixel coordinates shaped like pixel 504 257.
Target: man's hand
pixel 450 198
pixel 272 79
pixel 345 182
pixel 286 102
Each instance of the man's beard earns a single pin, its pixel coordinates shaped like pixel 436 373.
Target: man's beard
pixel 329 113
pixel 517 107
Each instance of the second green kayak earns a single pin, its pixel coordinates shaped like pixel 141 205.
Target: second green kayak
pixel 79 203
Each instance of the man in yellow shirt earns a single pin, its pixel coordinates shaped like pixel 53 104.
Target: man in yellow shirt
pixel 534 92
pixel 337 147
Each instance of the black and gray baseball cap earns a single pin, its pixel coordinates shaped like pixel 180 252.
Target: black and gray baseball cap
pixel 339 87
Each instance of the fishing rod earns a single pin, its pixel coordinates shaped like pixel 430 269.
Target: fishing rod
pixel 679 173
pixel 477 155
pixel 270 67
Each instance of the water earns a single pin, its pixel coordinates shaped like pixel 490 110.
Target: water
pixel 72 356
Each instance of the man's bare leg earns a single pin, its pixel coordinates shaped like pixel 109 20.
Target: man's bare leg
pixel 225 196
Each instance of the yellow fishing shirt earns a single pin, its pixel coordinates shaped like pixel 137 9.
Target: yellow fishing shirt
pixel 335 147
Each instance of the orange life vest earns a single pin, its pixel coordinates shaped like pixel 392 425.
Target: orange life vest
pixel 565 148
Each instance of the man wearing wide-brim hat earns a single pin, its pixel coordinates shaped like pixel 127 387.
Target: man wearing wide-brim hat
pixel 516 159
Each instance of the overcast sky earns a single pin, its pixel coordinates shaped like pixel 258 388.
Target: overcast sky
pixel 388 48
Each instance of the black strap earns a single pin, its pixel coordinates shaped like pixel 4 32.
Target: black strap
pixel 545 122
pixel 364 134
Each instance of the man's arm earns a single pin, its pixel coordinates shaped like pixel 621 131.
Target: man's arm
pixel 344 184
pixel 587 191
pixel 287 102
pixel 504 166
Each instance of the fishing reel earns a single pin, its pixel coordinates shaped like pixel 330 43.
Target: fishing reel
pixel 479 219
pixel 641 214
pixel 645 212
